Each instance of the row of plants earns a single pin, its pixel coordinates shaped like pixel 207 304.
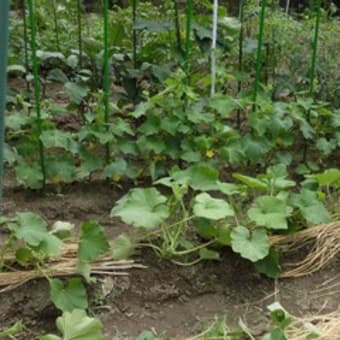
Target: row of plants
pixel 173 123
pixel 161 132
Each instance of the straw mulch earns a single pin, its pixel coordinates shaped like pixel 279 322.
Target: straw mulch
pixel 65 265
pixel 322 242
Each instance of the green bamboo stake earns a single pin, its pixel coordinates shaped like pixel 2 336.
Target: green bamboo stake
pixel 4 14
pixel 56 24
pixel 315 47
pixel 178 28
pixel 134 33
pixel 313 65
pixel 188 42
pixel 259 53
pixel 80 33
pixel 240 57
pixel 37 88
pixel 106 78
pixel 27 65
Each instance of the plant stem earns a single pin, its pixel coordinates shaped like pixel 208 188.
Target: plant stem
pixel 106 77
pixel 37 89
pixel 56 24
pixel 213 48
pixel 80 33
pixel 259 53
pixel 188 42
pixel 178 28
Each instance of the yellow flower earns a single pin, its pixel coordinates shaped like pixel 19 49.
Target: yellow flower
pixel 116 178
pixel 210 153
pixel 56 179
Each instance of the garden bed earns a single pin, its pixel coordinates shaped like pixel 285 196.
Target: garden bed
pixel 171 300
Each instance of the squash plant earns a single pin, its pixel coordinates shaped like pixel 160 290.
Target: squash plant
pixel 200 204
pixel 31 243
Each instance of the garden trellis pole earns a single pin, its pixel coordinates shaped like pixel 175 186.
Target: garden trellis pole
pixel 213 48
pixel 313 65
pixel 240 57
pixel 188 42
pixel 315 46
pixel 106 75
pixel 134 33
pixel 80 33
pixel 178 28
pixel 37 85
pixel 4 13
pixel 259 52
pixel 56 24
pixel 24 17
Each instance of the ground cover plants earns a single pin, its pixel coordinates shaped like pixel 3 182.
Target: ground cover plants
pixel 220 131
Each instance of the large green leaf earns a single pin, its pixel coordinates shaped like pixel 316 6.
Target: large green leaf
pixel 211 208
pixel 311 208
pixel 77 326
pixel 58 139
pixel 143 208
pixel 69 297
pixel 32 229
pixel 199 177
pixel 76 92
pixel 270 212
pixel 29 175
pixel 122 247
pixel 93 241
pixel 328 177
pixel 252 245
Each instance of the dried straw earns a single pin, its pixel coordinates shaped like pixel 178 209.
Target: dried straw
pixel 327 327
pixel 65 265
pixel 324 243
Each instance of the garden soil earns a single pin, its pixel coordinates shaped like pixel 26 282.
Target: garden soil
pixel 177 302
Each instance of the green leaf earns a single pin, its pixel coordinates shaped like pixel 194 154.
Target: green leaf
pixel 270 265
pixel 58 139
pixel 251 182
pixel 311 208
pixel 224 105
pixel 76 92
pixel 270 212
pixel 117 169
pixel 253 246
pixel 211 208
pixel 143 208
pixel 328 177
pixel 29 175
pixel 77 326
pixel 122 247
pixel 146 335
pixel 31 228
pixel 208 254
pixel 70 297
pixel 92 242
pixel 199 177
